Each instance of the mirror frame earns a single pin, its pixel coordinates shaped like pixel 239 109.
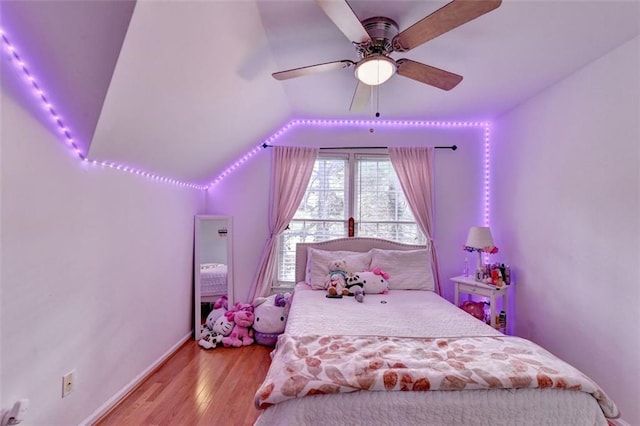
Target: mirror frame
pixel 199 219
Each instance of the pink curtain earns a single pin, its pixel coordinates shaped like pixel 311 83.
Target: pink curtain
pixel 414 167
pixel 290 173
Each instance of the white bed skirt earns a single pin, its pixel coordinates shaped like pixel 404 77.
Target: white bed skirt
pixel 494 407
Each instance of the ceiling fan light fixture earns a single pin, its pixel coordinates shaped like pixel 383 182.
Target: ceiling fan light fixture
pixel 375 69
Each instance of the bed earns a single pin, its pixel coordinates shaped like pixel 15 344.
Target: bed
pixel 213 281
pixel 409 357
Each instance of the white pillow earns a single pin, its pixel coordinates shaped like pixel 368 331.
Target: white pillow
pixel 408 270
pixel 318 264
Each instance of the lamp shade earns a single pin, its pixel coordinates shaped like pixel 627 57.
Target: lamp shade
pixel 479 237
pixel 375 69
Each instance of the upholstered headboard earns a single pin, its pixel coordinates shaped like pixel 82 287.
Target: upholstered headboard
pixel 359 244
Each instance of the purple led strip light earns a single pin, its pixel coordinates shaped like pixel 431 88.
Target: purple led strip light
pixel 293 123
pixel 67 134
pixel 487 173
pixel 380 123
pixel 38 91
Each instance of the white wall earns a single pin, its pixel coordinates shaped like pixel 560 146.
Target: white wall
pixel 96 273
pixel 245 193
pixel 244 196
pixel 566 208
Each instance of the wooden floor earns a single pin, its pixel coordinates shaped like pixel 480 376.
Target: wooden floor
pixel 197 387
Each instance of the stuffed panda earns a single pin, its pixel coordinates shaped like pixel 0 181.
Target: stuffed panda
pixel 367 282
pixel 354 284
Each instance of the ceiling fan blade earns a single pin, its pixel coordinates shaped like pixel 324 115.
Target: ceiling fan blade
pixel 312 69
pixel 342 15
pixel 361 97
pixel 427 74
pixel 446 18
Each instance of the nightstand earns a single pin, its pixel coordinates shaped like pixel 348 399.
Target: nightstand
pixel 469 285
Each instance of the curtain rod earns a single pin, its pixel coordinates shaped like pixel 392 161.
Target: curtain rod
pixel 452 147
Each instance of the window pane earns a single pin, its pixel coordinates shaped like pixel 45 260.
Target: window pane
pixel 379 196
pixel 321 215
pixel 325 197
pixel 304 232
pixel 407 233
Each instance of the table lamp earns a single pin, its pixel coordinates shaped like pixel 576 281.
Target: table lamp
pixel 479 239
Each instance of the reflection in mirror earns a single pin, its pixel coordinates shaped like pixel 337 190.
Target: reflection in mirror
pixel 213 266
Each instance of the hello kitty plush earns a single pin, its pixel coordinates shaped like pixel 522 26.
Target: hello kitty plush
pixel 374 282
pixel 270 317
pixel 221 328
pixel 220 306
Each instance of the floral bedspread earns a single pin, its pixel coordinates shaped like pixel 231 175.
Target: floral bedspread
pixel 312 365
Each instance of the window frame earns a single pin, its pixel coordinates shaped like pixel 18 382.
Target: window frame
pixel 351 157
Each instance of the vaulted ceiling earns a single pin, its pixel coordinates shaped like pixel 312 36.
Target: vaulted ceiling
pixel 183 88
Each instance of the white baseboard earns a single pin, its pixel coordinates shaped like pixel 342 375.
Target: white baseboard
pixel 104 408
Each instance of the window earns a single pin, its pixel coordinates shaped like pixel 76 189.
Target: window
pixel 362 186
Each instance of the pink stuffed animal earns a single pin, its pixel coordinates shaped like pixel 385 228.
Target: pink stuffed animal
pixel 474 308
pixel 242 334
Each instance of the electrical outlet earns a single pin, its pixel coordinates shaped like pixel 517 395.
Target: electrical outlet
pixel 68 383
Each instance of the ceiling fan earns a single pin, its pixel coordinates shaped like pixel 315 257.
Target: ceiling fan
pixel 376 38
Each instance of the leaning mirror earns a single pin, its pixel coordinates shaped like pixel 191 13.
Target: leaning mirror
pixel 213 265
